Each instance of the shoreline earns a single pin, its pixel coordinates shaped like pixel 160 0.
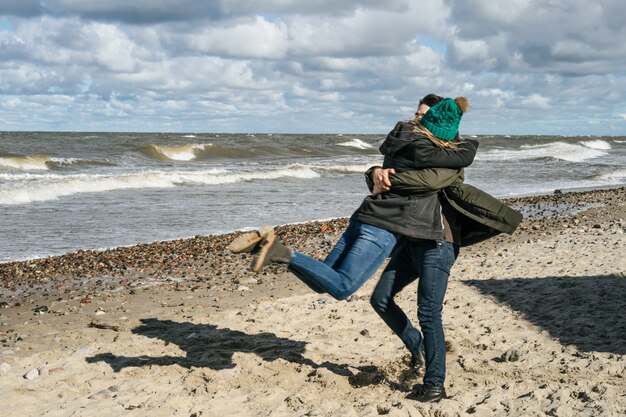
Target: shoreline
pixel 535 323
pixel 519 200
pixel 324 220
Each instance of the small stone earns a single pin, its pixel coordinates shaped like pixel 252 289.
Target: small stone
pixel 243 288
pixel 100 312
pixel 100 395
pixel 32 374
pixel 40 310
pixel 4 368
pixel 511 355
pixel 105 393
pixel 82 351
pixel 248 281
pixel 43 371
pixel 8 352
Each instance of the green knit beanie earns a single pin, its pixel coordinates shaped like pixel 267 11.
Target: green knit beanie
pixel 443 119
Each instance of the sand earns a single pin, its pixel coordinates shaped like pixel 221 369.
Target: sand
pixel 536 325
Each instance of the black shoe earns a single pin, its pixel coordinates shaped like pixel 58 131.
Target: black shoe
pixel 428 393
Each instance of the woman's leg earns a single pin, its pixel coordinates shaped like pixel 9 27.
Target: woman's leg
pixel 433 261
pixel 398 274
pixel 357 255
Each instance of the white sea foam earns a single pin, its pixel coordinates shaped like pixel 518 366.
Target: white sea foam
pixel 618 175
pixel 558 150
pixel 28 188
pixel 185 152
pixel 596 144
pixel 356 143
pixel 291 172
pixel 344 168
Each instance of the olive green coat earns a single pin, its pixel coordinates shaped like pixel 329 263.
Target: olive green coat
pixel 481 215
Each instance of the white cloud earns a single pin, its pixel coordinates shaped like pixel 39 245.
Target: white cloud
pixel 575 36
pixel 473 54
pixel 536 101
pixel 250 38
pixel 245 65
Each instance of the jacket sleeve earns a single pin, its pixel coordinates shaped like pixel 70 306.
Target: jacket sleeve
pixel 368 177
pixel 428 155
pixel 420 181
pixel 424 181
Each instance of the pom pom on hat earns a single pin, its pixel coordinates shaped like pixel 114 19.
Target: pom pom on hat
pixel 443 119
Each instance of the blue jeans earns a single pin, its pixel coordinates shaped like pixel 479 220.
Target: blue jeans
pixel 360 251
pixel 429 261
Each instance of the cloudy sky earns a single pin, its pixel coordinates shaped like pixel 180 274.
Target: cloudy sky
pixel 318 66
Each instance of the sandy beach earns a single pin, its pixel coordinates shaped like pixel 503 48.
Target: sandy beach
pixel 536 326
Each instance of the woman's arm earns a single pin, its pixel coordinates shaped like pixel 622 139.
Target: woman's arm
pixel 428 155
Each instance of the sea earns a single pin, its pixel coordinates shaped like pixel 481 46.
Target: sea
pixel 65 191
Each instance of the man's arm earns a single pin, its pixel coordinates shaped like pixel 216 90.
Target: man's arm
pixel 424 181
pixel 421 181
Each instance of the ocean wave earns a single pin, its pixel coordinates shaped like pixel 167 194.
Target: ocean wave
pixel 28 188
pixel 557 150
pixel 356 143
pixel 343 169
pixel 25 163
pixel 44 163
pixel 596 144
pixel 618 175
pixel 186 152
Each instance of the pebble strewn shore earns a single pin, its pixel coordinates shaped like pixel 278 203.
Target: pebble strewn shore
pixel 203 256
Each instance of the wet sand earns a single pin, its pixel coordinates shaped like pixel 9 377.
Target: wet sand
pixel 536 324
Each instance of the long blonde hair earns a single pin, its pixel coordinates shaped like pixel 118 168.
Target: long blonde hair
pixel 464 105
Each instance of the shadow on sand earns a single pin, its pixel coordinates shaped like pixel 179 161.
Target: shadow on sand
pixel 206 345
pixel 586 312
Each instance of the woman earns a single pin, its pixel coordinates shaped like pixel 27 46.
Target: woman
pixel 467 214
pixel 363 247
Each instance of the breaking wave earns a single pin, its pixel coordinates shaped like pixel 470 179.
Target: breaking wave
pixel 344 169
pixel 185 152
pixel 356 143
pixel 28 188
pixel 43 163
pixel 596 144
pixel 25 163
pixel 571 152
pixel 617 176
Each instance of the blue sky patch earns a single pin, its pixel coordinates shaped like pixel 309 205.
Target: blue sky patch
pixel 433 44
pixel 6 26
